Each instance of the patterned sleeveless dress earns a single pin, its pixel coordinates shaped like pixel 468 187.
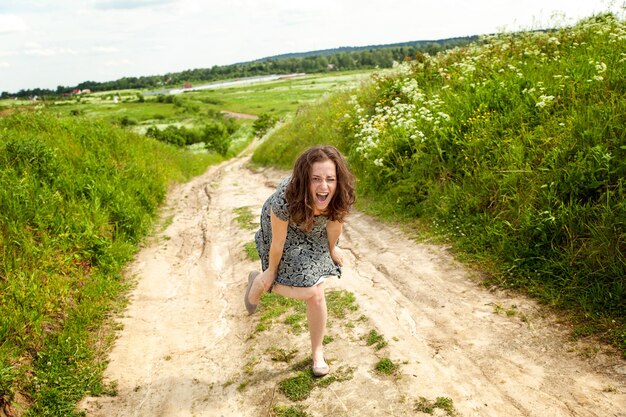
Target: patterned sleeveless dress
pixel 306 256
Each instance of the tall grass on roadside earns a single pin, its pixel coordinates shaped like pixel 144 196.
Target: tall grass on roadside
pixel 515 147
pixel 76 197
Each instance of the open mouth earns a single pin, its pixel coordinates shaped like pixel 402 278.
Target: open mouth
pixel 321 197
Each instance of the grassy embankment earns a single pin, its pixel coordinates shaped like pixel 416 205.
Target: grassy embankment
pixel 514 149
pixel 76 197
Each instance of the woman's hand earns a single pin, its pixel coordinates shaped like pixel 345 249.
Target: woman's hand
pixel 267 279
pixel 337 255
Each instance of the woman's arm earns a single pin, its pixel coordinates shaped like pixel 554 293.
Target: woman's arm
pixel 279 235
pixel 333 230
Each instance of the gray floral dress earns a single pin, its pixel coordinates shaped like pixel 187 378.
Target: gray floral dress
pixel 306 256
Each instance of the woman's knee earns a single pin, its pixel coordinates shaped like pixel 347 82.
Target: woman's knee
pixel 317 294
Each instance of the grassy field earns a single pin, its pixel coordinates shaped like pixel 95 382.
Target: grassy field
pixel 280 98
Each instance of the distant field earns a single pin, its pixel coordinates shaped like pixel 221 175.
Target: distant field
pixel 279 97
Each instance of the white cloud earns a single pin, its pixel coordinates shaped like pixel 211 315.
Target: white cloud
pixel 37 50
pixel 105 49
pixel 117 63
pixel 4 64
pixel 129 4
pixel 10 23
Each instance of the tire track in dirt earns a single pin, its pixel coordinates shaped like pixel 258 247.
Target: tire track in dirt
pixel 189 349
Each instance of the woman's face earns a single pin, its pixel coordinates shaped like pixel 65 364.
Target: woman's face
pixel 323 185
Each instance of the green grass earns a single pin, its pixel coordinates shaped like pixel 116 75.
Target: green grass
pixel 245 218
pixel 251 252
pixel 339 303
pixel 280 97
pixel 282 355
pixel 375 339
pixel 299 387
pixel 428 406
pixel 274 306
pixel 289 411
pixel 512 150
pixel 385 366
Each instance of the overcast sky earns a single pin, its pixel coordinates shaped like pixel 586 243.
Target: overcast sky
pixel 47 43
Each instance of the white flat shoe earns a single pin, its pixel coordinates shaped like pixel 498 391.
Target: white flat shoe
pixel 321 370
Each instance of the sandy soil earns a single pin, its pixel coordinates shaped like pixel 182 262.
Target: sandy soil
pixel 188 347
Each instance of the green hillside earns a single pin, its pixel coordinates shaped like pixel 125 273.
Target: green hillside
pixel 513 149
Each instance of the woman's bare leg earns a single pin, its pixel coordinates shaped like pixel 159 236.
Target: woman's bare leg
pixel 316 314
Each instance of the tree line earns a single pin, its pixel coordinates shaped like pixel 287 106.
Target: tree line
pixel 337 59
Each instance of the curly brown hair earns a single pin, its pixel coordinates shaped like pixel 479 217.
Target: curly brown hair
pixel 298 195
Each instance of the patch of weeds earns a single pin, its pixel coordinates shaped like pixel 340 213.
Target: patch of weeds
pixel 376 339
pixel 245 218
pixel 502 311
pixel 327 339
pixel 273 306
pixel 281 355
pixel 342 374
pixel 289 411
pixel 609 388
pixel 251 252
pixel 296 322
pixel 428 406
pixel 242 386
pixel 168 357
pixel 362 318
pixel 385 366
pixel 228 383
pixel 511 311
pixel 340 302
pixel 583 331
pixel 167 222
pixel 298 387
pixel 589 351
pixel 249 368
pixel 110 390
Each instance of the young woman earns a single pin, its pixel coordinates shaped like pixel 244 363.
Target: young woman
pixel 300 225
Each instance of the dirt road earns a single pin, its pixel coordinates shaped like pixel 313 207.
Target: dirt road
pixel 188 347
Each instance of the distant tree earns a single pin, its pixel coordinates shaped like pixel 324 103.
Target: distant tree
pixel 216 137
pixel 344 58
pixel 264 123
